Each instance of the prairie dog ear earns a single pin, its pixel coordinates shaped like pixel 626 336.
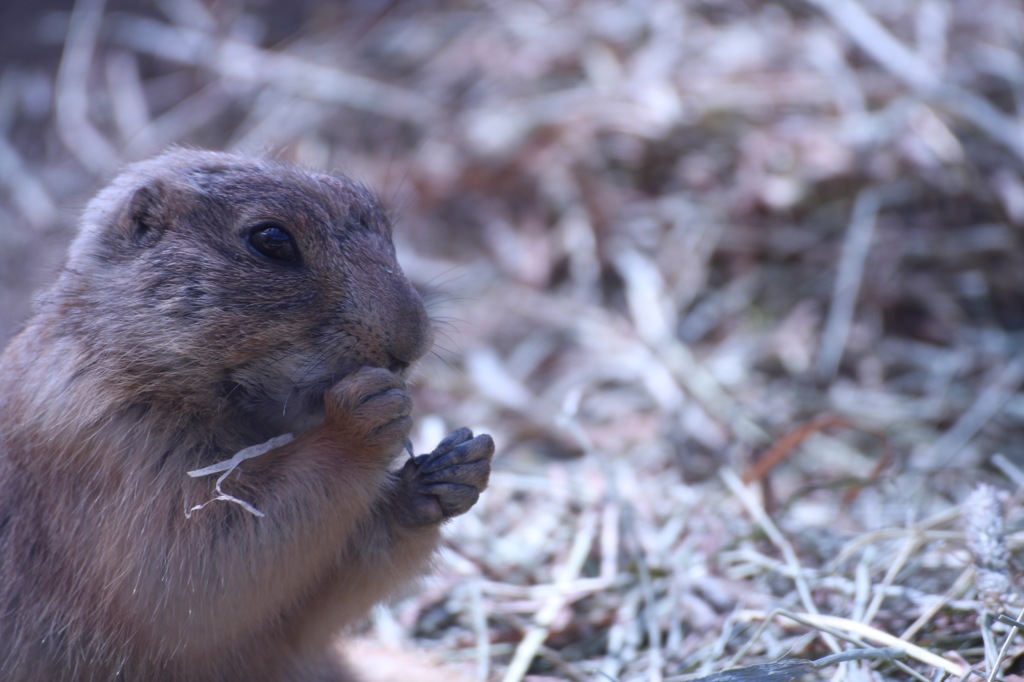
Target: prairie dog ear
pixel 146 215
pixel 130 215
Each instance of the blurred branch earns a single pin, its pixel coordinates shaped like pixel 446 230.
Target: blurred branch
pixel 796 669
pixel 178 122
pixel 26 190
pixel 128 100
pixel 851 17
pixel 82 139
pixel 234 59
pixel 859 633
pixel 847 285
pixel 1000 387
pixel 761 518
pixel 567 573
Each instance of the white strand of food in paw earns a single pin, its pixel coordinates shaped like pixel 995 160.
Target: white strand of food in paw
pixel 229 465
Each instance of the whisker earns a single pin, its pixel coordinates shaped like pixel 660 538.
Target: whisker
pixel 435 354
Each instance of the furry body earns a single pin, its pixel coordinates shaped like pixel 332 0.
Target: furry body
pixel 170 342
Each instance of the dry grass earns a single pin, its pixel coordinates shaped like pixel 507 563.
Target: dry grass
pixel 736 285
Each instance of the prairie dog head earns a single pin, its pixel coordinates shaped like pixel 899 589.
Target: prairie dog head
pixel 199 271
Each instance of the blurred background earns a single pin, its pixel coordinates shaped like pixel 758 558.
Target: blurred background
pixel 736 285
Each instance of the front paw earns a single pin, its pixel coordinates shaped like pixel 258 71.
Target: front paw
pixel 369 410
pixel 447 482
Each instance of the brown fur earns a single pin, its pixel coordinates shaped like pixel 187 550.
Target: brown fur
pixel 168 344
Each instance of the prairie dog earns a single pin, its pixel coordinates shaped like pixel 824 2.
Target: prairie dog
pixel 210 303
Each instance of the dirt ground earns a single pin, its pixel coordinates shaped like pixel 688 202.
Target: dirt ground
pixel 736 285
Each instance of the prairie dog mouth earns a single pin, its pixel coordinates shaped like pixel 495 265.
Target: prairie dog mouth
pixel 291 399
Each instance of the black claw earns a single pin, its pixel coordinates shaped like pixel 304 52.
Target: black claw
pixel 453 439
pixel 468 451
pixel 473 474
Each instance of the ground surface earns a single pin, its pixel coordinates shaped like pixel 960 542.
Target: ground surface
pixel 735 285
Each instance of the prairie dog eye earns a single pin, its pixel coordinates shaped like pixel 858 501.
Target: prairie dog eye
pixel 274 242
